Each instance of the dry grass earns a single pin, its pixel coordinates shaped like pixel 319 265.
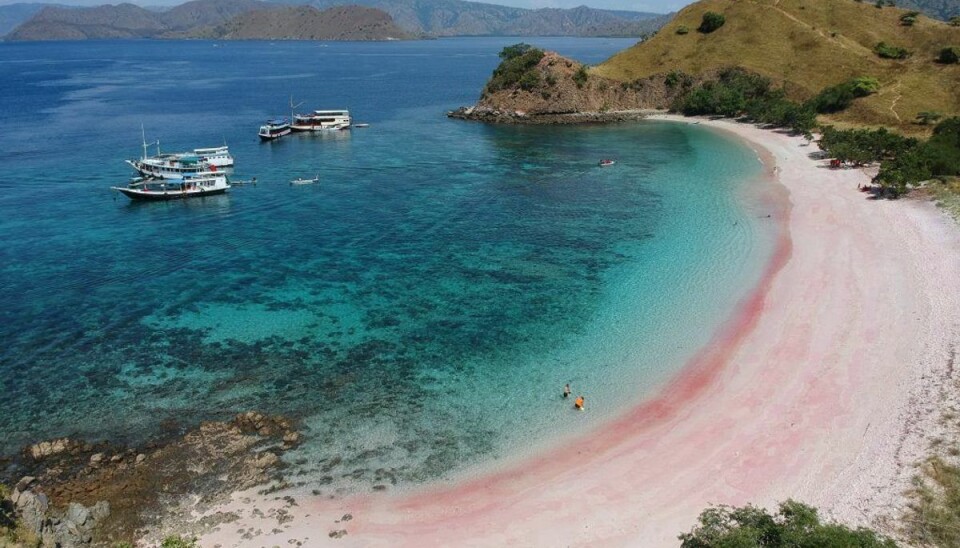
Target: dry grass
pixel 807 45
pixel 934 516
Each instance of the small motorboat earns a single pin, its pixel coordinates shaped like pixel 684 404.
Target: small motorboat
pixel 361 125
pixel 606 162
pixel 302 181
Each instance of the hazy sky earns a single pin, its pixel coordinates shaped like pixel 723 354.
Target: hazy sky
pixel 659 6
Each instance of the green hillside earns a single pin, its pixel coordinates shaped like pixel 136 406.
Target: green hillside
pixel 806 46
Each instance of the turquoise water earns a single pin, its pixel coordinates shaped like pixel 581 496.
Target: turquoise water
pixel 419 310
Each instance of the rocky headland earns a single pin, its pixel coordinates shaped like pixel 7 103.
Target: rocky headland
pixel 535 87
pixel 71 493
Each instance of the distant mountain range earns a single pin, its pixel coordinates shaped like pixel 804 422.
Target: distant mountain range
pixel 418 17
pixel 941 9
pixel 462 18
pixel 309 23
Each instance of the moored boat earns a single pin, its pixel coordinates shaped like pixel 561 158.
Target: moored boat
pixel 302 181
pixel 215 156
pixel 178 164
pixel 274 129
pixel 207 183
pixel 322 120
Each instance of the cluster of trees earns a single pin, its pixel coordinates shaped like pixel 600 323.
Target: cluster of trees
pixel 517 67
pixel 903 160
pixel 795 525
pixel 737 93
pixel 841 96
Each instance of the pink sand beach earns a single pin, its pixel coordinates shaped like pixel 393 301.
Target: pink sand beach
pixel 822 386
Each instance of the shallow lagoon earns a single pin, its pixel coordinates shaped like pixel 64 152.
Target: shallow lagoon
pixel 419 310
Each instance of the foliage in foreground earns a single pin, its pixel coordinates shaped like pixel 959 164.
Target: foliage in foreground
pixel 934 515
pixel 517 67
pixel 795 525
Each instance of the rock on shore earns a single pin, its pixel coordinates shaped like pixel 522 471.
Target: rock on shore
pixel 74 493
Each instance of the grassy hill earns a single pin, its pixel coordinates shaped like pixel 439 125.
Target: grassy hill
pixel 806 46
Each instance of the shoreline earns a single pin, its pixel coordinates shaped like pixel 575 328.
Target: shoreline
pixel 816 389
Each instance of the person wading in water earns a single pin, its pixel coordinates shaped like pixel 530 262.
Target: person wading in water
pixel 578 404
pixel 566 390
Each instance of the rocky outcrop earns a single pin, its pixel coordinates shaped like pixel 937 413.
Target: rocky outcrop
pixel 563 91
pixel 74 493
pixel 70 527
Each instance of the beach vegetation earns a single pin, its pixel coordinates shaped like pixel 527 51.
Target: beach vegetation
pixel 933 516
pixel 517 67
pixel 949 55
pixel 889 51
pixel 904 161
pixel 176 541
pixel 737 92
pixel 795 525
pixel 711 21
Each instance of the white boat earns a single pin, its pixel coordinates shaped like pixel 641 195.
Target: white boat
pixel 302 181
pixel 274 129
pixel 216 156
pixel 606 162
pixel 207 183
pixel 322 120
pixel 176 165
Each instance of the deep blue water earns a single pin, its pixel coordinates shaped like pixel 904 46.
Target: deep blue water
pixel 419 309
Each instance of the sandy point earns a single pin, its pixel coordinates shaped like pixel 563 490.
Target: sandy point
pixel 822 387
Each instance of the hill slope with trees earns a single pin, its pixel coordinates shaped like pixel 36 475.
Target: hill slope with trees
pixel 804 47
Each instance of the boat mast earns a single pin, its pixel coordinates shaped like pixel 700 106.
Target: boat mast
pixel 292 107
pixel 143 135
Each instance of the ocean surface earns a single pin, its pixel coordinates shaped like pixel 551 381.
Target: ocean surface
pixel 418 311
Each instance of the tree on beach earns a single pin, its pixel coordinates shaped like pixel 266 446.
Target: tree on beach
pixel 795 525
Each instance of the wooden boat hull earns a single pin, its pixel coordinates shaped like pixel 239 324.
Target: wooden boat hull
pixel 166 195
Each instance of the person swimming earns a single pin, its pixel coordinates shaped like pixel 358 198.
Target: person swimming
pixel 578 404
pixel 566 390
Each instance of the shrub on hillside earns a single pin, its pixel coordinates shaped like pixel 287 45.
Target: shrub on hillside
pixel 516 68
pixel 682 29
pixel 888 51
pixel 955 20
pixel 795 525
pixel 909 18
pixel 841 96
pixel 928 117
pixel 711 22
pixel 949 55
pixel 580 77
pixel 676 78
